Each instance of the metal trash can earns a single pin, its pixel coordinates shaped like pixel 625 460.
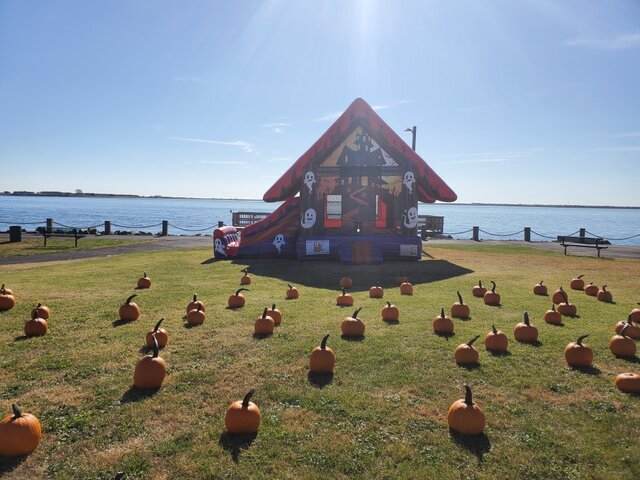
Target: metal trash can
pixel 15 233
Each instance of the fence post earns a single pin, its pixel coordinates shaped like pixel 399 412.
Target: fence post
pixel 527 234
pixel 107 227
pixel 15 233
pixel 582 232
pixel 49 225
pixel 165 228
pixel 476 234
pixel 220 224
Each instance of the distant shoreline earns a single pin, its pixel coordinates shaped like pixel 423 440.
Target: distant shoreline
pixel 120 195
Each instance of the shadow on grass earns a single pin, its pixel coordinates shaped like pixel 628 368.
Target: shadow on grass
pixel 535 343
pixel 635 360
pixel 446 335
pixel 135 394
pixel 464 319
pixel 319 380
pixel 506 353
pixel 20 338
pixel 391 322
pixel 191 325
pixel 261 336
pixel 235 443
pixel 469 366
pixel 119 322
pixel 590 370
pixel 352 338
pixel 8 464
pixel 497 305
pixel 327 273
pixel 476 444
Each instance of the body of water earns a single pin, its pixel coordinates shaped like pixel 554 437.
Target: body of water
pixel 191 216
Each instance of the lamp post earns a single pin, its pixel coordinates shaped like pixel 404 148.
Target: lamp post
pixel 413 133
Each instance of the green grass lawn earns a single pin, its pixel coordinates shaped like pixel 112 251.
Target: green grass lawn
pixel 35 245
pixel 382 415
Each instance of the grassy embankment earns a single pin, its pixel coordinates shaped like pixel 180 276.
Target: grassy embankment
pixel 382 415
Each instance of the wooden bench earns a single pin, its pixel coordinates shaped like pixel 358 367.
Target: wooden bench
pixel 587 242
pixel 65 233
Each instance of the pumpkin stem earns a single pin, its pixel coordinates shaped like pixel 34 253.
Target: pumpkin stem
pixel 344 292
pixel 156 347
pixel 480 283
pixel 629 320
pixel 245 271
pixel 581 338
pixel 388 304
pixel 34 314
pixel 441 312
pixel 155 329
pixel 564 296
pixel 580 276
pixel 290 287
pixel 460 298
pixel 495 331
pixel 323 344
pixel 131 298
pixel 264 313
pixel 604 288
pixel 195 298
pixel 468 396
pixel 247 398
pixel 470 342
pixel 240 290
pixel 526 318
pixel 622 332
pixel 199 307
pixel 144 274
pixel 493 286
pixel 273 307
pixel 355 314
pixel 540 282
pixel 553 307
pixel 16 411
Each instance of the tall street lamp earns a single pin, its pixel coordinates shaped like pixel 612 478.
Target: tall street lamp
pixel 413 133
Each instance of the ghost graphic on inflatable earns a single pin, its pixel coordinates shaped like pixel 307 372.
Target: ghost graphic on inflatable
pixel 309 180
pixel 409 181
pixel 278 242
pixel 308 220
pixel 410 220
pixel 219 248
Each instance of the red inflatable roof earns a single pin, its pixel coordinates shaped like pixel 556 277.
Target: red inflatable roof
pixel 430 186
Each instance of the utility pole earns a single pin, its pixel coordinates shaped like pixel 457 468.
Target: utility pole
pixel 413 133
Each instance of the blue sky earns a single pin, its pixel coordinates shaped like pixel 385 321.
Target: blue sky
pixel 520 102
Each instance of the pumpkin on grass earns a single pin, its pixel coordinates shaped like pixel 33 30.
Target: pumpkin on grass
pixel 264 324
pixel 352 326
pixel 621 345
pixel 144 281
pixel 604 295
pixel 346 282
pixel 491 297
pixel 150 370
pixel 524 331
pixel 242 416
pixel 322 358
pixel 376 291
pixel 442 324
pixel 635 314
pixel 292 292
pixel 20 433
pixel 162 337
pixel 465 416
pixel 540 289
pixel 496 340
pixel 466 353
pixel 478 290
pixel 591 290
pixel 276 314
pixel 129 311
pixel 578 354
pixel 552 316
pixel 390 313
pixel 193 304
pixel 345 299
pixel 577 283
pixel 632 331
pixel 237 299
pixel 402 278
pixel 196 316
pixel 559 296
pixel 7 300
pixel 6 290
pixel 406 289
pixel 245 279
pixel 36 327
pixel 566 308
pixel 41 311
pixel 460 309
pixel 628 382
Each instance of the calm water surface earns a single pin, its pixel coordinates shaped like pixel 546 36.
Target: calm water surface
pixel 191 216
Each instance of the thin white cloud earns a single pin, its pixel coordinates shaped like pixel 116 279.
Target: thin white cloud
pixel 188 79
pixel 619 149
pixel 617 42
pixel 245 146
pixel 329 116
pixel 276 125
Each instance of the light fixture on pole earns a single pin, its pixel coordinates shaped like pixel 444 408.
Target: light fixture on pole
pixel 413 133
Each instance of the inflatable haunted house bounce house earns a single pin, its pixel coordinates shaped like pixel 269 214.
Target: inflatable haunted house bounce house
pixel 352 196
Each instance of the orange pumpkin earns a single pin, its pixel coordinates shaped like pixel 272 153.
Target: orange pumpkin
pixel 635 315
pixel 193 305
pixel 460 309
pixel 36 327
pixel 346 282
pixel 402 278
pixel 604 295
pixel 465 416
pixel 390 313
pixel 632 331
pixel 20 433
pixel 559 296
pixel 578 354
pixel 442 325
pixel 591 290
pixel 577 283
pixel 344 300
pixel 376 291
pixel 237 299
pixel 6 290
pixel 129 311
pixel 552 316
pixel 150 370
pixel 264 324
pixel 622 346
pixel 196 316
pixel 243 416
pixel 144 281
pixel 466 353
pixel 496 341
pixel 524 331
pixel 322 358
pixel 352 326
pixel 540 289
pixel 492 297
pixel 162 337
pixel 245 279
pixel 276 314
pixel 628 382
pixel 478 290
pixel 567 309
pixel 292 293
pixel 7 300
pixel 406 289
pixel 41 311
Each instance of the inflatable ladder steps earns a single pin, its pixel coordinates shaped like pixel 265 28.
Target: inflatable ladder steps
pixel 360 253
